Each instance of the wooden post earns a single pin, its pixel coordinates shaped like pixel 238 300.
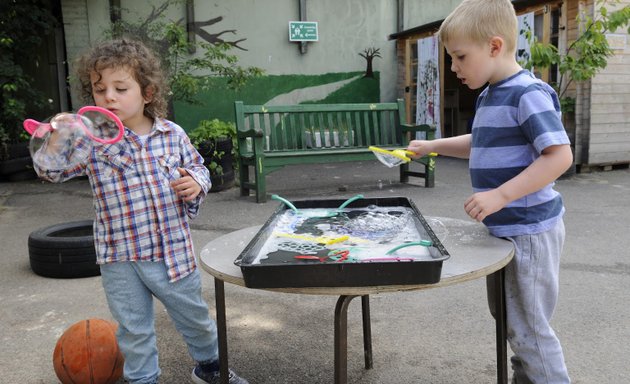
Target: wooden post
pixel 546 36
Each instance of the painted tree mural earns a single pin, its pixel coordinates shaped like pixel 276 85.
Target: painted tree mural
pixel 214 38
pixel 369 54
pixel 175 45
pixel 155 20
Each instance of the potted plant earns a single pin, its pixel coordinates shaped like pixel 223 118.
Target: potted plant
pixel 216 142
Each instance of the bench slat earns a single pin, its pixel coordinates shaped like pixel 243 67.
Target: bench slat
pixel 392 127
pixel 351 127
pixel 360 141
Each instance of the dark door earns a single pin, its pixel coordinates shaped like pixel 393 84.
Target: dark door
pixel 49 69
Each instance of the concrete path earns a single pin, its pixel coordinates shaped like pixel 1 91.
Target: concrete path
pixel 436 336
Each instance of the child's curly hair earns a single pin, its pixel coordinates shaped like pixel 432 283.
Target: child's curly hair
pixel 130 54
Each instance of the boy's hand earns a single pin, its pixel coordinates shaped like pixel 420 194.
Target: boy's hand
pixel 481 204
pixel 419 148
pixel 186 187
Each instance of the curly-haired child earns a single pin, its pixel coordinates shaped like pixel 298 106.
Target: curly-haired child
pixel 146 187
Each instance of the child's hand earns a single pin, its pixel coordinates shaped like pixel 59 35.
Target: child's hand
pixel 419 148
pixel 482 204
pixel 54 142
pixel 186 187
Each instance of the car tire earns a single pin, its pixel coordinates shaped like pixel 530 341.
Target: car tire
pixel 64 250
pixel 14 165
pixel 28 174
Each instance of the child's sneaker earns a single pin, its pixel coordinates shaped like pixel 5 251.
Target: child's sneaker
pixel 199 376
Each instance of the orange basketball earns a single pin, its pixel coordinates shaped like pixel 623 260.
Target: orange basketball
pixel 87 352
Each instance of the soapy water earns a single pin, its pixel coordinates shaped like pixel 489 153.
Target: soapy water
pixel 368 234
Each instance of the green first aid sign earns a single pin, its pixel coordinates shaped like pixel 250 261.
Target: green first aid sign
pixel 303 31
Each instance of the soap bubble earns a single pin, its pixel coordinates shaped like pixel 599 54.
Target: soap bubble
pixel 61 143
pixel 102 126
pixel 67 139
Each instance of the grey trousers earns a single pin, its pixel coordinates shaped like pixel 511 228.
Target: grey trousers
pixel 531 294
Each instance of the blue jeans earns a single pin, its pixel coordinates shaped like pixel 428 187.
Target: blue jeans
pixel 531 294
pixel 129 288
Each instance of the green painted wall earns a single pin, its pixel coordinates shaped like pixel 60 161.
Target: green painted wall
pixel 259 30
pixel 350 87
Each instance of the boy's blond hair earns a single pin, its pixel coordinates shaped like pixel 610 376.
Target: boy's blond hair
pixel 480 20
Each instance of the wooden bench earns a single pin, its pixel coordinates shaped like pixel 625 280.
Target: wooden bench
pixel 271 137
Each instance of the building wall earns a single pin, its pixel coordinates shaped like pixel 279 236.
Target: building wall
pixel 83 22
pixel 602 123
pixel 260 30
pixel 346 28
pixel 609 129
pixel 420 12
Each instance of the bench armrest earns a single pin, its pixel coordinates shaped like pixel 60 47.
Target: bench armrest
pixel 249 133
pixel 429 129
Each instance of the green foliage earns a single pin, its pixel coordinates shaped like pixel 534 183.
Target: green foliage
pixel 169 38
pixel 212 130
pixel 567 104
pixel 205 138
pixel 262 89
pixel 22 26
pixel 584 57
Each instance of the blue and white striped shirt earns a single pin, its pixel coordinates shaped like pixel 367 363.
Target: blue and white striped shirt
pixel 515 120
pixel 139 217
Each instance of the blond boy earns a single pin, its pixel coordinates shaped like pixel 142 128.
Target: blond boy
pixel 517 149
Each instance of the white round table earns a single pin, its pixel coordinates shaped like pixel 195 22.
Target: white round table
pixel 474 254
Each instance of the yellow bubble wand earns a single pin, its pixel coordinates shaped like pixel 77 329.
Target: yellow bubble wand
pixel 393 158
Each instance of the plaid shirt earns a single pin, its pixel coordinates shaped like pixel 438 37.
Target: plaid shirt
pixel 139 217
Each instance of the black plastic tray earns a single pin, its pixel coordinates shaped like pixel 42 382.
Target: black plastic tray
pixel 335 274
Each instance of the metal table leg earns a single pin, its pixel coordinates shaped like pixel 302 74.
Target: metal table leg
pixel 341 339
pixel 219 293
pixel 501 326
pixel 341 336
pixel 367 331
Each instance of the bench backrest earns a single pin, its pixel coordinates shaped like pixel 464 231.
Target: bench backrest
pixel 313 126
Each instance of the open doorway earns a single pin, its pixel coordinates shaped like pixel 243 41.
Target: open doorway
pixel 458 102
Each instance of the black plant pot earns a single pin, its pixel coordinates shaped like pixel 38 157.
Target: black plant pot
pixel 222 182
pixel 220 152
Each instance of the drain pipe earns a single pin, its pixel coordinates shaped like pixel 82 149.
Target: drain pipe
pixel 302 7
pixel 400 18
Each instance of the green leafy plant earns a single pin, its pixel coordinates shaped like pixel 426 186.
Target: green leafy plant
pixel 206 138
pixel 22 27
pixel 585 56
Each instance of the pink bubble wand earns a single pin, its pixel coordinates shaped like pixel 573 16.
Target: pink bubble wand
pixel 94 114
